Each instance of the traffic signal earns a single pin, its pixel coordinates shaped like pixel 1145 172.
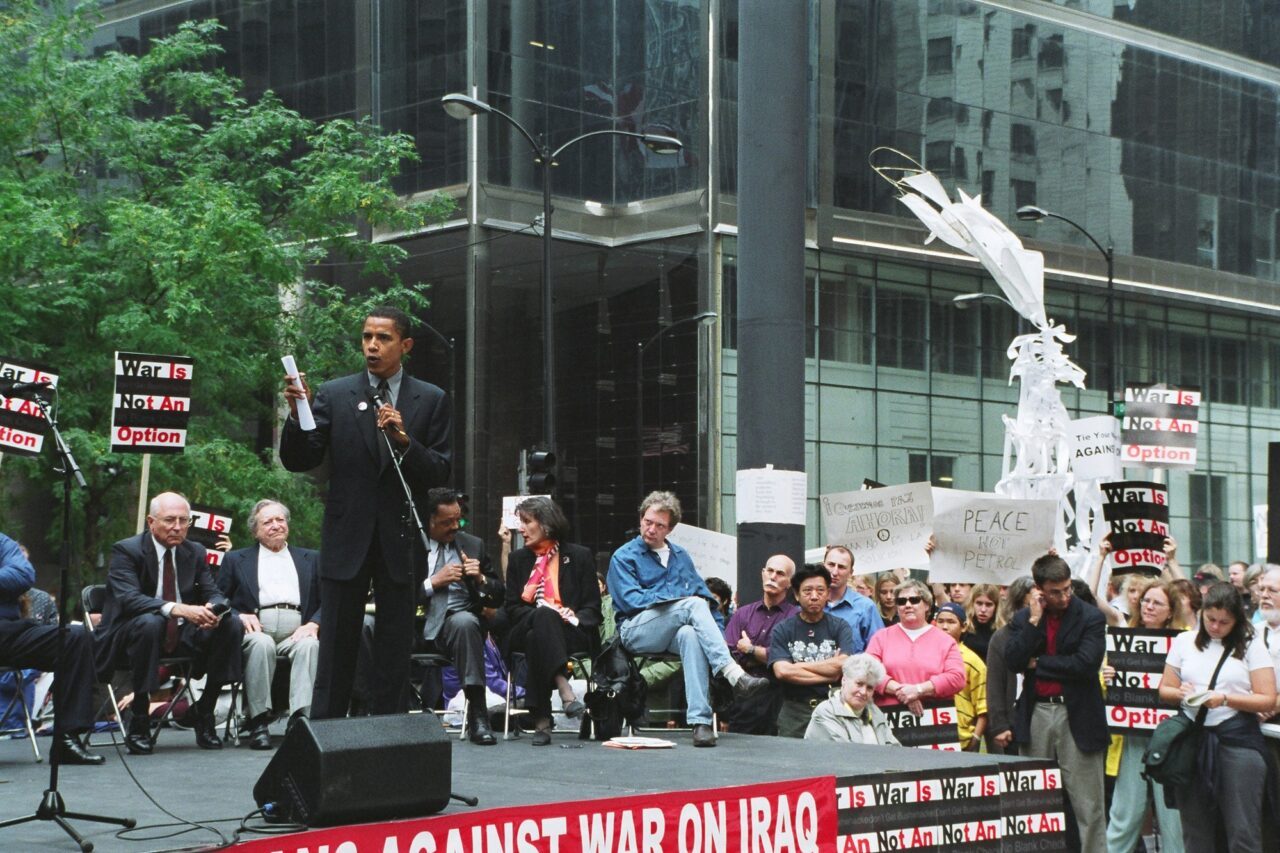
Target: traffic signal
pixel 538 472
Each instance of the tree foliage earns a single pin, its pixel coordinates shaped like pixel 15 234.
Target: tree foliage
pixel 148 206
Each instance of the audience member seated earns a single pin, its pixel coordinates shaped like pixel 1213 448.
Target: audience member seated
pixel 274 587
pixel 663 605
pixel 749 634
pixel 553 604
pixel 922 662
pixel 857 610
pixel 851 716
pixel 806 652
pixel 971 701
pixel 24 642
pixel 160 599
pixel 460 589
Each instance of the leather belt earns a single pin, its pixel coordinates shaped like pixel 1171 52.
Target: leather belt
pixel 1052 700
pixel 295 608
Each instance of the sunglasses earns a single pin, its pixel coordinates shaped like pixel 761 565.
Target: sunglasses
pixel 909 599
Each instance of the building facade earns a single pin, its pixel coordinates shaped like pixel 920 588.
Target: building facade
pixel 1152 123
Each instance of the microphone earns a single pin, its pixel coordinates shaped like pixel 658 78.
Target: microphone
pixel 376 398
pixel 23 389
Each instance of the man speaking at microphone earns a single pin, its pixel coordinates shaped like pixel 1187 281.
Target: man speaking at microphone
pixel 368 535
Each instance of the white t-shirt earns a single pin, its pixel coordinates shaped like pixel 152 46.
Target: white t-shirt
pixel 1196 666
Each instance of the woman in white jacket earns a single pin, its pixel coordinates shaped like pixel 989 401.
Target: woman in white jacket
pixel 851 716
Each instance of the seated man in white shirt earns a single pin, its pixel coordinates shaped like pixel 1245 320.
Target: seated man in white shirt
pixel 274 587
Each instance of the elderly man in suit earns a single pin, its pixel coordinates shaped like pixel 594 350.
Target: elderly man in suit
pixel 161 599
pixel 361 421
pixel 462 593
pixel 274 587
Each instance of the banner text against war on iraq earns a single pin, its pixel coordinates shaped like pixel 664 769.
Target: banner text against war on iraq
pixel 208 524
pixel 1160 427
pixel 1133 700
pixel 22 424
pixel 792 816
pixel 1137 517
pixel 152 403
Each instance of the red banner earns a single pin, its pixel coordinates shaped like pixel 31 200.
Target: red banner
pixel 794 816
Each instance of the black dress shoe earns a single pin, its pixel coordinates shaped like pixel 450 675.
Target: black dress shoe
pixel 749 685
pixel 207 732
pixel 259 736
pixel 480 732
pixel 139 741
pixel 72 751
pixel 703 735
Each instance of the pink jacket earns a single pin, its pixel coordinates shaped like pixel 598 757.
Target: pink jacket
pixel 933 656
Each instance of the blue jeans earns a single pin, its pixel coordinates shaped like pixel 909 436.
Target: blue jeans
pixel 684 627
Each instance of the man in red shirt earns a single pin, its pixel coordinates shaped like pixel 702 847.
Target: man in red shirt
pixel 1058 642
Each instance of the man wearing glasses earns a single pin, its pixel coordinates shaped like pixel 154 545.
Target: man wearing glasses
pixel 1057 642
pixel 161 599
pixel 662 605
pixel 858 611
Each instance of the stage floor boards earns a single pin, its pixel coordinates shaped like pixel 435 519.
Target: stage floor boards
pixel 216 788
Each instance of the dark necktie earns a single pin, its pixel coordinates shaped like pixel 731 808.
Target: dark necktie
pixel 169 589
pixel 384 455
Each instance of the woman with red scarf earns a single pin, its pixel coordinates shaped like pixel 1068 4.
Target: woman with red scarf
pixel 553 602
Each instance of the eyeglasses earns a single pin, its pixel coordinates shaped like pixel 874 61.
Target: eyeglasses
pixel 909 599
pixel 175 520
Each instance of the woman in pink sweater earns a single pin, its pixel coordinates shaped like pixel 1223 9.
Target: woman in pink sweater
pixel 923 662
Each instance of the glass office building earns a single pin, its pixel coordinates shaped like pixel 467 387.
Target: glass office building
pixel 1152 123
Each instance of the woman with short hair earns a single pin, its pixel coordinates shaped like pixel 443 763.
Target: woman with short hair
pixel 851 716
pixel 923 662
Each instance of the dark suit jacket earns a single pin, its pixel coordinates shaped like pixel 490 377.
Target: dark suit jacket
pixel 579 589
pixel 238 580
pixel 133 575
pixel 491 595
pixel 1081 644
pixel 364 494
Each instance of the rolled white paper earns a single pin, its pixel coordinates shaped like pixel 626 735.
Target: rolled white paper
pixel 305 418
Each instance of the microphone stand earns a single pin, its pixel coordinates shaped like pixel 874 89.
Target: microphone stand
pixel 378 402
pixel 52 807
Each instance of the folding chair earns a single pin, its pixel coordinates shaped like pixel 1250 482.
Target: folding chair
pixel 579 662
pixel 92 598
pixel 436 660
pixel 20 699
pixel 670 657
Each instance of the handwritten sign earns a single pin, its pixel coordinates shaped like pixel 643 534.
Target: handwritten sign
pixel 152 403
pixel 1133 699
pixel 885 528
pixel 714 554
pixel 1160 427
pixel 771 495
pixel 984 538
pixel 509 503
pixel 1137 517
pixel 22 423
pixel 1095 448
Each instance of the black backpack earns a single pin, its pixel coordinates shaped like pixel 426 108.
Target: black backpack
pixel 615 693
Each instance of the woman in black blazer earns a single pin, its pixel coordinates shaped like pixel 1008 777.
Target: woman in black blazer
pixel 553 603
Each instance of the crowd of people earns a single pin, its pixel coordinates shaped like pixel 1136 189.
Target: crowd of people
pixel 825 654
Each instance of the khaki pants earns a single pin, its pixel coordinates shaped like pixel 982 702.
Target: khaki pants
pixel 261 649
pixel 1083 773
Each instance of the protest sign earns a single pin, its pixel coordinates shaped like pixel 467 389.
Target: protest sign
pixel 714 554
pixel 152 403
pixel 1133 700
pixel 207 524
pixel 1160 427
pixel 509 503
pixel 1095 448
pixel 771 495
pixel 22 423
pixel 885 528
pixel 937 728
pixel 984 538
pixel 1137 517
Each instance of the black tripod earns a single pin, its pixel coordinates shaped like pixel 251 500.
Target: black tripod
pixel 52 806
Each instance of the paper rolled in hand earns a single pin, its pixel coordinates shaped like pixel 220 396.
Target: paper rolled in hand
pixel 305 418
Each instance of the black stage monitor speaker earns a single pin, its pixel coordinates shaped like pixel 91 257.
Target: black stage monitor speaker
pixel 330 772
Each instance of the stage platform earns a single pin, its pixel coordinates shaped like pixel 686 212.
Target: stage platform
pixel 866 798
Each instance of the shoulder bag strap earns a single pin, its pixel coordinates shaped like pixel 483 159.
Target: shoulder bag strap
pixel 1204 712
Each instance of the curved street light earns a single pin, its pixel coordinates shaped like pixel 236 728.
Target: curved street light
pixel 1031 213
pixel 461 106
pixel 640 348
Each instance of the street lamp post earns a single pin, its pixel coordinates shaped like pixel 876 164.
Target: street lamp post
pixel 640 348
pixel 1031 213
pixel 450 345
pixel 461 106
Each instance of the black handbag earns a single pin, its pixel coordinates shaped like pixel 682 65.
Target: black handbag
pixel 1170 758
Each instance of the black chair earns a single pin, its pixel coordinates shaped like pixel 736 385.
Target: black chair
pixel 92 598
pixel 20 699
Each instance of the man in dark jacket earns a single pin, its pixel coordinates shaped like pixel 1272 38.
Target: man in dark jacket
pixel 160 600
pixel 274 587
pixel 1058 642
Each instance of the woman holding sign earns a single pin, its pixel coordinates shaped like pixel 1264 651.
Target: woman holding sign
pixel 923 662
pixel 1223 674
pixel 1159 607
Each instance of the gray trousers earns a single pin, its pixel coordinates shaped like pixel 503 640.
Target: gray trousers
pixel 1083 773
pixel 1242 775
pixel 462 635
pixel 261 648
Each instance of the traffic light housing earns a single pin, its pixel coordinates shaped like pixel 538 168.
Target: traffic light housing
pixel 538 472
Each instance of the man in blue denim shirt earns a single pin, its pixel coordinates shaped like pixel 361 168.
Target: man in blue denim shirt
pixel 662 605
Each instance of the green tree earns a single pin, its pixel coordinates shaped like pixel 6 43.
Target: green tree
pixel 147 206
